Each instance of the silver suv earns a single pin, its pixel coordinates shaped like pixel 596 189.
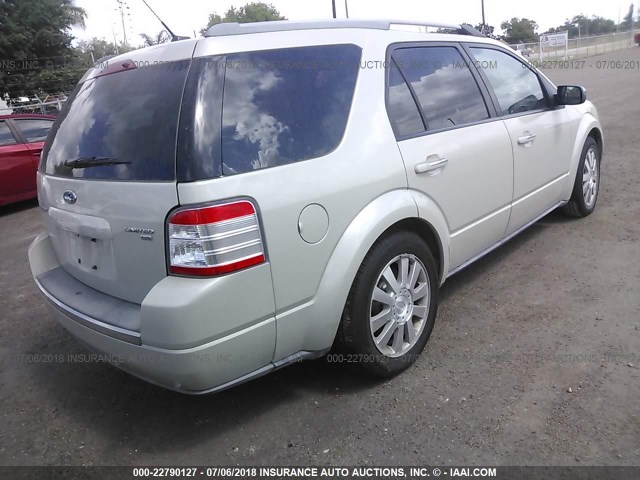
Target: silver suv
pixel 219 208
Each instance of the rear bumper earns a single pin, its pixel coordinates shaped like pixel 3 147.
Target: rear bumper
pixel 211 365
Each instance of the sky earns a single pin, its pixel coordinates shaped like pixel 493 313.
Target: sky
pixel 187 17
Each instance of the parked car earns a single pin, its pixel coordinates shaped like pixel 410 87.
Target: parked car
pixel 21 141
pixel 219 208
pixel 523 49
pixel 636 38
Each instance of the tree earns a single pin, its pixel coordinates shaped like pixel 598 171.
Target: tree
pixel 35 43
pixel 600 26
pixel 627 23
pixel 76 14
pixel 486 29
pixel 251 12
pixel 94 49
pixel 161 37
pixel 583 26
pixel 520 30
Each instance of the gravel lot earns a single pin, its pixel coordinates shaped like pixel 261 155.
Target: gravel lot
pixel 534 360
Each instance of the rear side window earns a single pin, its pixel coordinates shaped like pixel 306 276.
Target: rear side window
pixel 443 84
pixel 517 87
pixel 124 123
pixel 255 110
pixel 34 130
pixel 6 137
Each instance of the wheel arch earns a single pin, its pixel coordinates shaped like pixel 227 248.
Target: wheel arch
pixel 319 320
pixel 589 127
pixel 427 232
pixel 596 134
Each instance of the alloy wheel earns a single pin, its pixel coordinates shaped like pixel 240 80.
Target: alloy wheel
pixel 590 178
pixel 399 305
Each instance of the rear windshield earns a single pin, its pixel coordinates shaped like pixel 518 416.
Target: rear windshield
pixel 248 111
pixel 121 126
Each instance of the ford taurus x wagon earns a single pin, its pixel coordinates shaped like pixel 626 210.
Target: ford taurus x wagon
pixel 221 207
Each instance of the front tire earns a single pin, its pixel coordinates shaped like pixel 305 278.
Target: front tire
pixel 587 184
pixel 392 305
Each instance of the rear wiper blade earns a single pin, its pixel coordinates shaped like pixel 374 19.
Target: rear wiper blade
pixel 89 162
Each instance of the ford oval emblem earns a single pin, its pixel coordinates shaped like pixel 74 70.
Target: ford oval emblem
pixel 69 197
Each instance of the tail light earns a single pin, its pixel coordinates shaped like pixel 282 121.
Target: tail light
pixel 214 240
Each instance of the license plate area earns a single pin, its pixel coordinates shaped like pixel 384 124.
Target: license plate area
pixel 85 252
pixel 89 255
pixel 84 243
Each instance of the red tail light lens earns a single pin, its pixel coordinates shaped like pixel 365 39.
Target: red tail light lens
pixel 215 240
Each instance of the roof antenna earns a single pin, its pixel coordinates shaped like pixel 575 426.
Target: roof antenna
pixel 174 37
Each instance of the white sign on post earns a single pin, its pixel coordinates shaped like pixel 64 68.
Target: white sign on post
pixel 554 39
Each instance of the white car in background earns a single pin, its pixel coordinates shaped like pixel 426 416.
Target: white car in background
pixel 523 50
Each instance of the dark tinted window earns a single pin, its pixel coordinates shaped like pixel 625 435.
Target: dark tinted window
pixel 199 140
pixel 283 106
pixel 516 86
pixel 6 137
pixel 34 130
pixel 403 110
pixel 130 117
pixel 444 85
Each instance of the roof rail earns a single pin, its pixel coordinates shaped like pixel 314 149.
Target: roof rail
pixel 225 29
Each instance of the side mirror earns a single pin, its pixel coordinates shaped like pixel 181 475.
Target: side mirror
pixel 571 95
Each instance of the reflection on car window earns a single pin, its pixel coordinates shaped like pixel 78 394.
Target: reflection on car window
pixel 131 116
pixel 516 86
pixel 283 106
pixel 447 92
pixel 403 110
pixel 34 130
pixel 6 137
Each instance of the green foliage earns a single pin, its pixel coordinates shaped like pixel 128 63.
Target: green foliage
pixel 488 30
pixel 599 26
pixel 97 47
pixel 251 12
pixel 627 23
pixel 35 46
pixel 584 26
pixel 161 37
pixel 520 30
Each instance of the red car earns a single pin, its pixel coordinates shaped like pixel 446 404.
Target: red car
pixel 637 38
pixel 21 140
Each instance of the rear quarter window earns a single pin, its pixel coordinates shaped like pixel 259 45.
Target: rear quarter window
pixel 285 106
pixel 278 107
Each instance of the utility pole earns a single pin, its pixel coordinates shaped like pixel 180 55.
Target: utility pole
pixel 346 8
pixel 333 4
pixel 483 18
pixel 115 42
pixel 121 8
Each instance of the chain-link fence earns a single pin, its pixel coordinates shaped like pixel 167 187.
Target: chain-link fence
pixel 33 105
pixel 577 48
pixel 39 85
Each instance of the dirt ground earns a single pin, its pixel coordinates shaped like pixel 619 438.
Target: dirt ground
pixel 534 359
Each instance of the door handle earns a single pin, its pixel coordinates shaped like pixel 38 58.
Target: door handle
pixel 527 139
pixel 427 167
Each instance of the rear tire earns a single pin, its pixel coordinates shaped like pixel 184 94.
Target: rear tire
pixel 587 184
pixel 392 305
